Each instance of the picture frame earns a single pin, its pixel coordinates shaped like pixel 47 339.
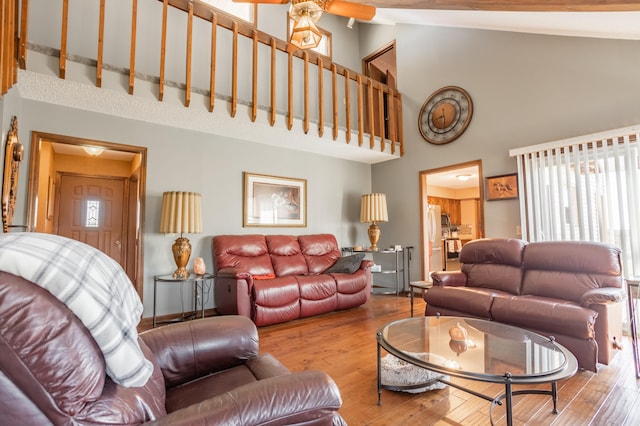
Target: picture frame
pixel 502 187
pixel 274 201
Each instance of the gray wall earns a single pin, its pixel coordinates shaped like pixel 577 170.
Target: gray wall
pixel 180 159
pixel 526 89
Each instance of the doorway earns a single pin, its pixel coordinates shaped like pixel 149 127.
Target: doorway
pixel 451 213
pixel 91 191
pixel 380 66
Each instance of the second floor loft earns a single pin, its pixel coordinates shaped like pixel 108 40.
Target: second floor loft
pixel 185 64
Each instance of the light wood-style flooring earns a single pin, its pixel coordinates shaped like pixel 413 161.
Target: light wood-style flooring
pixel 343 344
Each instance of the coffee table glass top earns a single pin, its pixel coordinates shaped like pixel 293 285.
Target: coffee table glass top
pixel 490 350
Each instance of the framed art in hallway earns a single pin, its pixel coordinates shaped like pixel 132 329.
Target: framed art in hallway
pixel 503 187
pixel 274 201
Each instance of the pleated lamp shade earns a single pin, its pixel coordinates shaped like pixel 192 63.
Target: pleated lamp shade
pixel 181 213
pixel 373 208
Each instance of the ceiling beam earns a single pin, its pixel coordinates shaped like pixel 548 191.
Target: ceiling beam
pixel 510 5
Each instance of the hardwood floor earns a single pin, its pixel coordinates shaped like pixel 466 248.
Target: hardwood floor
pixel 343 344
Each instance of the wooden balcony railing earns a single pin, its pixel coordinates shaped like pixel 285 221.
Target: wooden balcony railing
pixel 8 44
pixel 364 100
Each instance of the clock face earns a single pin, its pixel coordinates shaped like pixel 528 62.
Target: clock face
pixel 445 115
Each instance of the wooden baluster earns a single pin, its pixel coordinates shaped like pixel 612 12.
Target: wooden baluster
pixel 132 58
pixel 12 30
pixel 234 71
pixel 371 116
pixel 24 24
pixel 320 98
pixel 272 115
pixel 334 106
pixel 392 120
pixel 187 90
pixel 100 59
pixel 399 121
pixel 212 76
pixel 360 111
pixel 254 94
pixel 63 39
pixel 5 66
pixel 290 94
pixel 305 121
pixel 163 49
pixel 347 102
pixel 382 135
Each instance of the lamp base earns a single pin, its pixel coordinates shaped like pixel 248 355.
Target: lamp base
pixel 374 236
pixel 181 253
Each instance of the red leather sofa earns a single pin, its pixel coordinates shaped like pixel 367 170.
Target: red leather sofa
pixel 571 290
pixel 277 278
pixel 206 372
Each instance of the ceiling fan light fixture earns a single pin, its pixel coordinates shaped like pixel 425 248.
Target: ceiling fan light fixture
pixel 311 8
pixel 305 34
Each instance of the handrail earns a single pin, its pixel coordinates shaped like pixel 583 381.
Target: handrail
pixel 373 97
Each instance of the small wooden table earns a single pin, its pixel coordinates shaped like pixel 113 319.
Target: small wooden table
pixel 422 285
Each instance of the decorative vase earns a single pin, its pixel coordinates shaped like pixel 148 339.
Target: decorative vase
pixel 199 268
pixel 458 332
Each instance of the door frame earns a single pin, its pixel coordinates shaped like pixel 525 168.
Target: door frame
pixel 37 194
pixel 423 184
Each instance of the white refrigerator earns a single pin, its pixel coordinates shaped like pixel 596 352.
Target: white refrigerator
pixel 432 250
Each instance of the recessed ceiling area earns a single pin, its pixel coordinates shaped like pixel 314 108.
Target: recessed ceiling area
pixel 449 179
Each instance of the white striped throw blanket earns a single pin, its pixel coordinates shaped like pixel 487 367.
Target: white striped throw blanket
pixel 93 286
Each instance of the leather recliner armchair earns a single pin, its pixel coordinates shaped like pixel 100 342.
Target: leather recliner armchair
pixel 206 371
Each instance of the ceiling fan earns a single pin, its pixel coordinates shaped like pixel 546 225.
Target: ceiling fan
pixel 306 13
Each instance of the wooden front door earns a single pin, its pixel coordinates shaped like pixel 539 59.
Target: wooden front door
pixel 93 210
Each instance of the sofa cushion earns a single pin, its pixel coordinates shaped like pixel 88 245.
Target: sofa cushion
pixel 317 294
pixel 346 264
pixel 493 263
pixel 549 315
pixel 276 292
pixel 320 251
pixel 286 256
pixel 474 301
pixel 246 252
pixel 568 269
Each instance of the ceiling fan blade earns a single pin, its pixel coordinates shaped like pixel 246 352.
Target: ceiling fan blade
pixel 350 10
pixel 262 1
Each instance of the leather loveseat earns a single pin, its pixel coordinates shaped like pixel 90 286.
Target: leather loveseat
pixel 205 372
pixel 570 290
pixel 277 278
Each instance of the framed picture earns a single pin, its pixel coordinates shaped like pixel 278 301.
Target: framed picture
pixel 274 201
pixel 503 187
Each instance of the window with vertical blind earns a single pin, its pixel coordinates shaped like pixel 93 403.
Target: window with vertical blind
pixel 585 188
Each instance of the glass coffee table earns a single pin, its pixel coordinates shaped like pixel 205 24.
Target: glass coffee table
pixel 491 352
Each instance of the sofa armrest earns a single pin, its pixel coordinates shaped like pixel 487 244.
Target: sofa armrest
pixel 601 296
pixel 189 350
pixel 297 398
pixel 451 279
pixel 234 273
pixel 366 264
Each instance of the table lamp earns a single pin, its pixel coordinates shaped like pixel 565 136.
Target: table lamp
pixel 181 213
pixel 373 209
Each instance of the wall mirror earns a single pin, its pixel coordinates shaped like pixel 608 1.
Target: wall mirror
pixel 91 191
pixel 14 151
